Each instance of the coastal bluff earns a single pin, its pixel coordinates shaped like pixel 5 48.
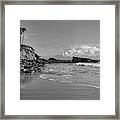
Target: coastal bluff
pixel 30 61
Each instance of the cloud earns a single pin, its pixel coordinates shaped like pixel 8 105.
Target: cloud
pixel 83 51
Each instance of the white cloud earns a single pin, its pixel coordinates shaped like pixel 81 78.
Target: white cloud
pixel 83 51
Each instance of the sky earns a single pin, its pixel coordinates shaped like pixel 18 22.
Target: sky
pixel 54 37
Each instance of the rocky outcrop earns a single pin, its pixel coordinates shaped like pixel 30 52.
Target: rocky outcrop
pixel 84 60
pixel 30 62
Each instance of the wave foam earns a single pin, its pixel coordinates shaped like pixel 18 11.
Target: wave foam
pixel 89 64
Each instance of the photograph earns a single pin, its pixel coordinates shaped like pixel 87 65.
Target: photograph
pixel 59 59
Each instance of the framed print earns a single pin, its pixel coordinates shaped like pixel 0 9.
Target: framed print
pixel 60 60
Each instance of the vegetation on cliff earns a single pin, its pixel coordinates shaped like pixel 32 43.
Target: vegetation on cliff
pixel 30 62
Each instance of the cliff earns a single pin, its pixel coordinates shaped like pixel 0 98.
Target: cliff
pixel 30 62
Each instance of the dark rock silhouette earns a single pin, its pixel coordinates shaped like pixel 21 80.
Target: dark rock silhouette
pixel 53 60
pixel 84 60
pixel 74 60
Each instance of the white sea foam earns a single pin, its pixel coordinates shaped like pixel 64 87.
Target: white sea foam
pixel 93 86
pixel 42 76
pixel 50 78
pixel 89 64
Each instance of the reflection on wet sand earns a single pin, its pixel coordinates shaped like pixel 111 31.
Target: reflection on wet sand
pixel 25 79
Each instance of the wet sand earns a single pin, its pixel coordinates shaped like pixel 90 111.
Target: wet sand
pixel 42 89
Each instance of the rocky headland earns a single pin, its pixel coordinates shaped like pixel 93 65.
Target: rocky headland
pixel 30 62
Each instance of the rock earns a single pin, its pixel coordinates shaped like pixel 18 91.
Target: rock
pixel 30 62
